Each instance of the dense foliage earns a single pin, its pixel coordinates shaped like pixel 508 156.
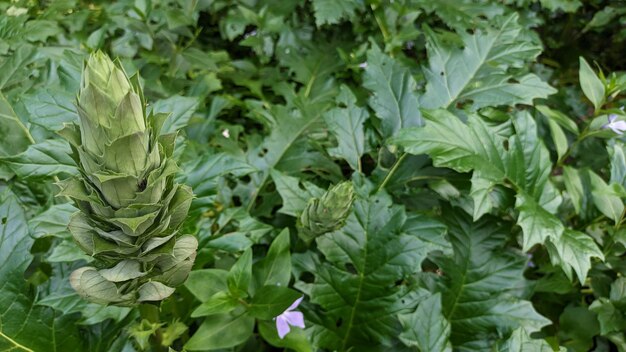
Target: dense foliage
pixel 402 174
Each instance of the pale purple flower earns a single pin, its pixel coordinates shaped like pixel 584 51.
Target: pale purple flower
pixel 363 65
pixel 616 126
pixel 289 317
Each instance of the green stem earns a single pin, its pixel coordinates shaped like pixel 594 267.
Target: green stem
pixel 393 170
pixel 150 312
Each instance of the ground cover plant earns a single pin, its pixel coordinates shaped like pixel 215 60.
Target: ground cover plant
pixel 345 175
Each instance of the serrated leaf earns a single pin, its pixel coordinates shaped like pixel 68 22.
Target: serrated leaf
pixel 294 197
pixel 591 85
pixel 481 283
pixel 478 73
pixel 520 341
pixel 575 249
pixel 181 109
pixel 525 164
pixel 51 109
pixel 394 97
pixel 427 328
pixel 23 324
pixel 14 136
pixel 346 124
pixel 46 159
pixel 332 11
pixel 355 285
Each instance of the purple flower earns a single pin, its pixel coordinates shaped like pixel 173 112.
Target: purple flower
pixel 616 126
pixel 289 317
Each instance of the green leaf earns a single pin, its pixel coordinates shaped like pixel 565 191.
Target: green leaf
pixel 296 340
pixel 181 109
pixel 202 173
pixel 478 73
pixel 52 222
pixel 275 268
pixel 558 117
pixel 426 328
pixel 591 85
pixel 270 301
pixel 294 197
pixel 356 284
pixel 558 138
pixel 221 331
pixel 394 97
pixel 574 249
pixel 14 136
pixel 23 324
pixel 333 11
pixel 482 283
pixel 46 159
pixel 219 303
pixel 525 166
pixel 51 109
pixel 520 341
pixel 240 274
pixel 205 283
pixel 346 124
pixel 605 199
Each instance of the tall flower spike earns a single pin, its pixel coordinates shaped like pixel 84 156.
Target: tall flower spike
pixel 131 209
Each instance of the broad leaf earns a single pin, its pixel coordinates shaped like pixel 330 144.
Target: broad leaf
pixel 46 159
pixel 356 285
pixel 221 331
pixel 524 165
pixel 346 124
pixel 591 85
pixel 481 285
pixel 294 197
pixel 181 109
pixel 332 11
pixel 23 324
pixel 394 97
pixel 479 72
pixel 427 328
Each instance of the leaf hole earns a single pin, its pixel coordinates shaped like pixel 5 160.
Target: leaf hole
pixel 263 152
pixel 351 268
pixel 307 277
pixel 505 145
pixel 339 322
pixel 3 220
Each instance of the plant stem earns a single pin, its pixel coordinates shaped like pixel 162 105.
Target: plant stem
pixel 394 168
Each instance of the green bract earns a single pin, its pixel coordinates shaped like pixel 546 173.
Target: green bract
pixel 130 206
pixel 327 213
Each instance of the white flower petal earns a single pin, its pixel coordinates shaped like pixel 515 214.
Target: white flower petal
pixel 282 326
pixel 295 319
pixel 295 304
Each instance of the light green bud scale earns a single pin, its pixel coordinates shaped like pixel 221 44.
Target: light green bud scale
pixel 131 209
pixel 327 213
